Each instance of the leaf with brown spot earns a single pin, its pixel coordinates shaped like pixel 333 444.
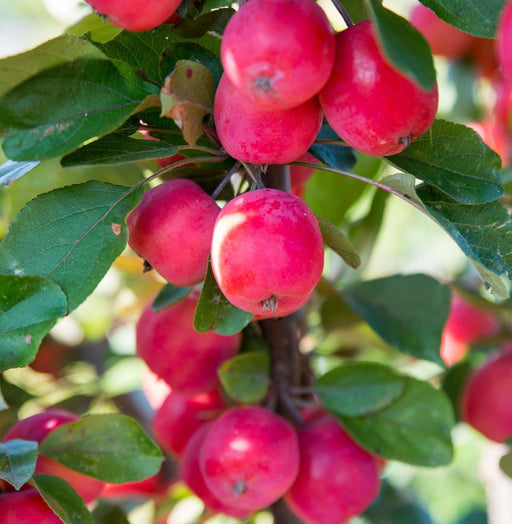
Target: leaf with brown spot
pixel 187 96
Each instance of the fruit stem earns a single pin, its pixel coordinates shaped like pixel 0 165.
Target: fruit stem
pixel 255 176
pixel 343 12
pixel 225 180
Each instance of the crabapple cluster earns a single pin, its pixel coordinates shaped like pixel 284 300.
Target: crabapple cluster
pixel 493 61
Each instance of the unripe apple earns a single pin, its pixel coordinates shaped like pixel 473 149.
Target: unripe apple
pixel 192 476
pixel 253 135
pixel 136 15
pixel 175 351
pixel 249 457
pixel 337 479
pixel 372 106
pixel 26 507
pixel 172 229
pixel 444 39
pixel 278 53
pixel 179 417
pixel 36 428
pixel 267 252
pixel 504 40
pixel 485 401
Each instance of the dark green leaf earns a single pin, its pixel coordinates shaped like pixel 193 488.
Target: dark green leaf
pixel 3 403
pixel 357 10
pixel 112 448
pixel 118 149
pixel 415 428
pixel 210 5
pixel 469 15
pixel 29 307
pixel 337 156
pixel 63 500
pixel 454 382
pixel 107 513
pixel 14 395
pixel 246 377
pixel 70 235
pixel 215 21
pixel 215 312
pixel 397 308
pixel 16 69
pixel 404 45
pixel 338 242
pixel 168 296
pixel 11 171
pixel 453 158
pixel 483 232
pixel 17 461
pixel 56 110
pixel 359 388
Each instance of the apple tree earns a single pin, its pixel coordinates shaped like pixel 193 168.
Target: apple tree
pixel 224 170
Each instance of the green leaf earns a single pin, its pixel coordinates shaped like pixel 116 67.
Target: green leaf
pixel 470 16
pixel 107 513
pixel 496 283
pixel 112 448
pixel 215 21
pixel 415 428
pixel 337 156
pixel 29 307
pixel 246 377
pixel 405 184
pixel 338 242
pixel 70 235
pixel 118 149
pixel 506 461
pixel 483 232
pixel 56 110
pixel 453 158
pixel 11 171
pixel 359 388
pixel 97 28
pixel 409 312
pixel 210 5
pixel 215 312
pixel 168 296
pixel 60 50
pixel 404 45
pixel 187 97
pixel 357 10
pixel 63 500
pixel 17 461
pixel 454 381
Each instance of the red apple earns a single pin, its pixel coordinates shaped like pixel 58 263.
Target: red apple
pixel 26 507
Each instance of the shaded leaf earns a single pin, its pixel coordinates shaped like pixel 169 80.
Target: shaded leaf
pixel 495 283
pixel 338 242
pixel 88 98
pixel 468 15
pixel 404 183
pixel 187 97
pixel 107 513
pixel 210 5
pixel 118 149
pixel 359 388
pixel 64 48
pixel 215 21
pixel 454 381
pixel 17 461
pixel 70 235
pixel 63 500
pixel 483 232
pixel 215 312
pixel 404 46
pixel 357 10
pixel 246 377
pixel 396 308
pixel 338 156
pixel 11 171
pixel 415 428
pixel 112 448
pixel 29 307
pixel 453 158
pixel 3 403
pixel 168 296
pixel 506 461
